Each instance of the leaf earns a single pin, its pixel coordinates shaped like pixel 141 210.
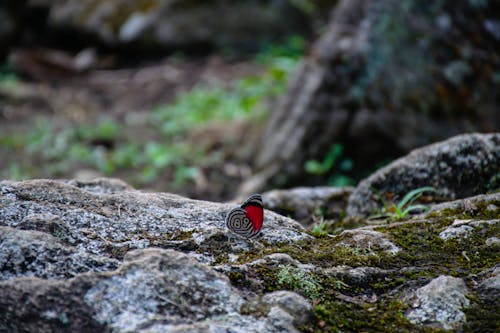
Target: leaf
pixel 413 195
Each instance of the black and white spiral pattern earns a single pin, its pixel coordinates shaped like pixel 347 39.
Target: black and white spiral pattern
pixel 239 223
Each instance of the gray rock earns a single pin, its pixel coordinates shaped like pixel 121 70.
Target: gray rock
pixel 454 232
pixel 492 241
pixel 460 167
pixel 302 203
pixel 154 290
pixel 489 288
pixel 357 275
pixel 367 240
pixel 440 303
pixel 102 185
pixel 463 228
pixel 106 218
pixel 37 254
pixel 469 205
pixel 292 303
pixel 154 284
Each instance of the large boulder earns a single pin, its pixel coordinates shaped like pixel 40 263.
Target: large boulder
pixel 154 290
pixel 99 256
pixel 460 167
pixel 107 218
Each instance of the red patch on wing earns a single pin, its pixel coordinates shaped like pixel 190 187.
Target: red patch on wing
pixel 256 216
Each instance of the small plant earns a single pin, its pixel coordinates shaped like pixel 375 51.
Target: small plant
pixel 320 229
pixel 315 167
pixel 299 280
pixel 404 207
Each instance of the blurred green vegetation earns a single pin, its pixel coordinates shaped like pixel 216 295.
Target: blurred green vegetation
pixel 334 165
pixel 113 148
pixel 7 76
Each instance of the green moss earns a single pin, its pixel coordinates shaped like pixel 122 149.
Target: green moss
pixel 482 316
pixel 299 280
pixel 362 305
pixel 385 316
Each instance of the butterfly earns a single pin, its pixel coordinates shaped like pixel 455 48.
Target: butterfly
pixel 246 220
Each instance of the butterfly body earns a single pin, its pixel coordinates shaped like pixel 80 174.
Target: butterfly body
pixel 247 220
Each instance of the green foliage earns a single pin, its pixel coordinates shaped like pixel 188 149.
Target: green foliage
pixel 299 280
pixel 332 163
pixel 166 154
pixel 320 229
pixel 247 97
pixel 405 206
pixel 319 168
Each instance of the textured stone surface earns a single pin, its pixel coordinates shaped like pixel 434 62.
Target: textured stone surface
pixel 440 303
pixel 154 290
pixel 367 240
pixel 489 288
pixel 94 219
pixel 460 167
pixel 462 229
pixel 295 305
pixel 37 254
pixel 67 254
pixel 88 257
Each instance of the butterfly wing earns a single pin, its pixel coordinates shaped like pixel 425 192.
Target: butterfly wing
pixel 254 211
pixel 239 223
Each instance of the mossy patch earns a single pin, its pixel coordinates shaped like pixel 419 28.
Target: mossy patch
pixel 342 304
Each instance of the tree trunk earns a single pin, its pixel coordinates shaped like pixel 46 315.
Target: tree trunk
pixel 384 78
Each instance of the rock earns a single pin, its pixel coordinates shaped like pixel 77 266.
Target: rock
pixel 440 303
pixel 453 232
pixel 107 218
pixel 102 185
pixel 153 290
pixel 489 288
pixel 463 166
pixel 359 276
pixel 294 304
pixel 463 228
pixel 302 203
pixel 174 23
pixel 367 240
pixel 37 254
pixel 470 206
pixel 492 241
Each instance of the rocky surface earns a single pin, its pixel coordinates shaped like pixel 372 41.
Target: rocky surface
pixel 153 290
pixel 101 256
pixel 460 167
pixel 95 219
pixel 440 302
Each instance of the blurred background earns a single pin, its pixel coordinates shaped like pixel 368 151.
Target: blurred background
pixel 215 98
